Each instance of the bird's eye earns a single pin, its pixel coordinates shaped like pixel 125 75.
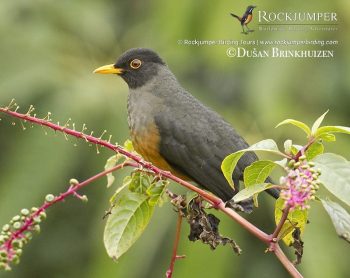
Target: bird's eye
pixel 135 64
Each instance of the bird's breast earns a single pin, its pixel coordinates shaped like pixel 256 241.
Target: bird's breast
pixel 144 133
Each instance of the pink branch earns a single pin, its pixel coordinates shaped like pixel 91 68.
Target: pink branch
pixel 30 220
pixel 215 201
pixel 174 256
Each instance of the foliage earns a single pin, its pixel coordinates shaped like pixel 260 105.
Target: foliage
pixel 133 203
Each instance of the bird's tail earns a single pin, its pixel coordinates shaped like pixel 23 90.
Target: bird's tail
pixel 236 16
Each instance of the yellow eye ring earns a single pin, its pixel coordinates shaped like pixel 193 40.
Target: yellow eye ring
pixel 135 64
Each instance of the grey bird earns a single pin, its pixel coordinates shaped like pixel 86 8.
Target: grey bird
pixel 173 130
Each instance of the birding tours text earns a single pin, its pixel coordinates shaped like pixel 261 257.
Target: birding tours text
pixel 282 48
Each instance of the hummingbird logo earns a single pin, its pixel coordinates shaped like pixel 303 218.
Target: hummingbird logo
pixel 246 19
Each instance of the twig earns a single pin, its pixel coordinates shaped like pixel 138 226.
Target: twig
pixel 274 236
pixel 174 256
pixel 286 262
pixel 30 221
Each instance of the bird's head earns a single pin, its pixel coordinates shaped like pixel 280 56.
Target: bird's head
pixel 136 66
pixel 251 8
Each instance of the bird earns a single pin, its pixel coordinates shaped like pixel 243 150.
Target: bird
pixel 173 130
pixel 246 18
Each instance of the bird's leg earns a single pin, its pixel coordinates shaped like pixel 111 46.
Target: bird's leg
pixel 243 31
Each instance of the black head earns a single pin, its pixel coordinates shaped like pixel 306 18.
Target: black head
pixel 136 66
pixel 250 8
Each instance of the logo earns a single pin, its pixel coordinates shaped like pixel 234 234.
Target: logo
pixel 245 19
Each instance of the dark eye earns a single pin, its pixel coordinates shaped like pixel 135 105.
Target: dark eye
pixel 135 64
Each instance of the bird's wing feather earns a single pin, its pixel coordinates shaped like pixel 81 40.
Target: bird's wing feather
pixel 196 142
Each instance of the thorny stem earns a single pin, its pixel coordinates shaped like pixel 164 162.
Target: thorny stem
pixel 209 197
pixel 174 256
pixel 71 191
pixel 215 201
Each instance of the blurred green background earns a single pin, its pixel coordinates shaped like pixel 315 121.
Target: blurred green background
pixel 48 50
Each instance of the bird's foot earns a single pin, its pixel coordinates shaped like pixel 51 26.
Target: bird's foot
pixel 243 206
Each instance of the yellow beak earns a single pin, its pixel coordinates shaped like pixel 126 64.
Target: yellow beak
pixel 108 69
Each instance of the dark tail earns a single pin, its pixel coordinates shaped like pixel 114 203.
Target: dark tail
pixel 236 16
pixel 274 192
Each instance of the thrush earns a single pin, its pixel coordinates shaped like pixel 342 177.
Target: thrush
pixel 245 19
pixel 175 131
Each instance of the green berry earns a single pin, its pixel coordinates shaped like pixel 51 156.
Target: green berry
pixel 19 252
pixel 15 260
pixel 16 218
pixel 73 182
pixel 49 198
pixel 17 225
pixel 37 220
pixel 42 215
pixel 17 243
pixel 3 266
pixel 28 235
pixel 34 209
pixel 6 228
pixel 84 198
pixel 303 157
pixel 291 163
pixel 3 254
pixel 36 228
pixel 7 267
pixel 25 212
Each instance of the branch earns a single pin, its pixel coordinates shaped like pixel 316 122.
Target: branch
pixel 274 236
pixel 215 201
pixel 31 220
pixel 174 256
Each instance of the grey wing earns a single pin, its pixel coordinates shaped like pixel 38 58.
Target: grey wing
pixel 197 144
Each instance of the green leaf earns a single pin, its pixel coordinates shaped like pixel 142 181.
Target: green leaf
pixel 326 132
pixel 250 191
pixel 257 173
pixel 111 162
pixel 317 123
pixel 314 150
pixel 288 146
pixel 282 163
pixel 156 191
pixel 328 137
pixel 332 129
pixel 126 223
pixel 139 182
pixel 296 218
pixel 128 146
pixel 229 163
pixel 335 175
pixel 340 218
pixel 295 149
pixel 299 124
pixel 126 182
